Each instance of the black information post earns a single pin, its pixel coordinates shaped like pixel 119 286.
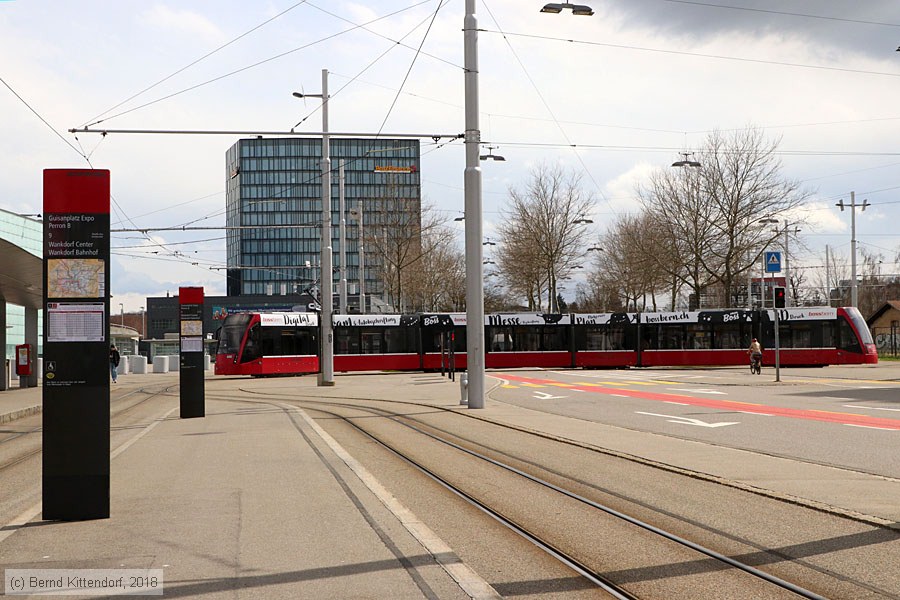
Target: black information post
pixel 190 373
pixel 76 345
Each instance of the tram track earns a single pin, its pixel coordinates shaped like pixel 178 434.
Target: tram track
pixel 698 475
pixel 523 467
pixel 36 448
pixel 554 547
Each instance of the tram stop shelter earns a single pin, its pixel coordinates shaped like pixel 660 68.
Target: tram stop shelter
pixel 21 283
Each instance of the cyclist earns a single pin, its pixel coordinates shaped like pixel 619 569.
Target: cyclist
pixel 755 352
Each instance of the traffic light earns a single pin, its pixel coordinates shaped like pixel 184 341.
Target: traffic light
pixel 778 294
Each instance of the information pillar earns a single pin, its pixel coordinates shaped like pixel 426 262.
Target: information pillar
pixel 193 396
pixel 76 377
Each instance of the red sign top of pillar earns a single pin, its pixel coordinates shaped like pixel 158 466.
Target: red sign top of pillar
pixel 190 295
pixel 79 191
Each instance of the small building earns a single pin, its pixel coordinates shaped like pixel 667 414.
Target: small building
pixel 885 327
pixel 125 338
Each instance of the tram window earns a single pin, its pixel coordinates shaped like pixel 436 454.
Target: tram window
pixel 501 339
pixel 728 336
pixel 555 338
pixel 395 340
pixel 269 341
pixel 650 338
pixel 305 342
pixel 826 333
pixel 251 348
pixel 671 337
pixel 528 339
pixel 431 341
pixel 232 333
pixel 798 335
pixel 697 337
pixel 371 342
pixel 848 339
pixel 346 341
pixel 603 337
pixel 293 342
pixel 595 338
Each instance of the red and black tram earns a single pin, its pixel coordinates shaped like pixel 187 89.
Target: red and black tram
pixel 287 343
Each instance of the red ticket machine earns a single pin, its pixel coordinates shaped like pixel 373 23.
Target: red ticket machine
pixel 23 360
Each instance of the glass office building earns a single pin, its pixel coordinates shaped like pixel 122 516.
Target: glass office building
pixel 273 194
pixel 28 234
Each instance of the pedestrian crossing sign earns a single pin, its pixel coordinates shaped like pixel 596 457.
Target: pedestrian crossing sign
pixel 773 262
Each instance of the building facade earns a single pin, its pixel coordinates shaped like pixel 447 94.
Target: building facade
pixel 26 232
pixel 273 194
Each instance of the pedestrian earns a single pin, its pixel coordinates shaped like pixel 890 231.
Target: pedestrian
pixel 113 362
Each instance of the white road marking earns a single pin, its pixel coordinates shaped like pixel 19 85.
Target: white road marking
pixel 872 407
pixel 678 403
pixel 869 427
pixel 747 412
pixel 697 391
pixel 689 421
pixel 545 396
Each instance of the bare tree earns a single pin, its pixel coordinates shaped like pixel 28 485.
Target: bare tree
pixel 542 225
pixel 626 265
pixel 520 266
pixel 682 227
pixel 399 226
pixel 437 283
pixel 713 212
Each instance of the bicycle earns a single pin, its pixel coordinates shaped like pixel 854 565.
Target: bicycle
pixel 755 364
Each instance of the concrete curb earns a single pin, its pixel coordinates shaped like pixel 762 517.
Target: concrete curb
pixel 19 414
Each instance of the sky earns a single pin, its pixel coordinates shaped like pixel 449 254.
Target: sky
pixel 611 97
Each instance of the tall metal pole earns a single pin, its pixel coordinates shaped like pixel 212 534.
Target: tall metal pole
pixel 762 281
pixel 777 340
pixel 472 186
pixel 362 261
pixel 828 275
pixel 787 273
pixel 342 224
pixel 854 293
pixel 749 281
pixel 326 372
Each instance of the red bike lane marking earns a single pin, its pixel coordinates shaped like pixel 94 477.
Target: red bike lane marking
pixel 792 413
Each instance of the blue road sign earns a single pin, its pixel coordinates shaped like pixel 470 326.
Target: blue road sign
pixel 773 262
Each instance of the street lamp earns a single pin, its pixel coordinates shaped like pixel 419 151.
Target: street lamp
pixel 582 221
pixel 490 155
pixel 577 9
pixel 326 375
pixel 685 162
